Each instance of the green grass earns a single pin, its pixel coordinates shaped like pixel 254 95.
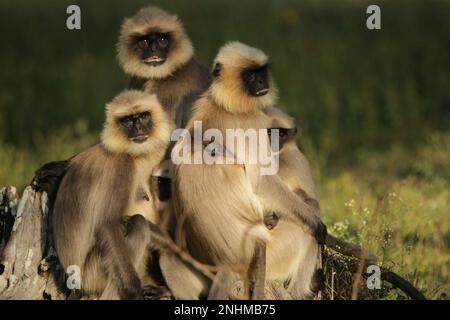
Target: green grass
pixel 373 106
pixel 397 203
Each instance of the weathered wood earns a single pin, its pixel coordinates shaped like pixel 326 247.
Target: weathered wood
pixel 29 266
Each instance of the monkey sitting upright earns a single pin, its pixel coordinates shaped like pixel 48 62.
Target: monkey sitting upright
pixel 94 221
pixel 155 50
pixel 295 171
pixel 223 205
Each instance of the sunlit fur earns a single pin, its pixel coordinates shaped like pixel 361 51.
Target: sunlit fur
pixel 294 168
pixel 143 22
pixel 296 173
pixel 132 102
pixel 228 91
pixel 98 191
pixel 223 205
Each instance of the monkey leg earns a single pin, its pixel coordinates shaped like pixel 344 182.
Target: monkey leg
pixel 292 258
pixel 184 282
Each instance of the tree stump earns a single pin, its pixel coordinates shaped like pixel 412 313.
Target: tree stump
pixel 29 268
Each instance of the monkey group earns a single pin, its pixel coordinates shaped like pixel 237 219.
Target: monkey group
pixel 117 205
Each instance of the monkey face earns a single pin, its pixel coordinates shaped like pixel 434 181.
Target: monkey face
pixel 137 126
pixel 153 48
pixel 256 80
pixel 285 135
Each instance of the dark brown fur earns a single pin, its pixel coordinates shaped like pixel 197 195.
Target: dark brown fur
pixel 178 91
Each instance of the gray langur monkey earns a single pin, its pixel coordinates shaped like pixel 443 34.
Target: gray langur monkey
pixel 221 207
pixel 154 49
pixel 95 222
pixel 295 171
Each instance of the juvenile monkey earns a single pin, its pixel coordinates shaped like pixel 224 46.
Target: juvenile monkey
pixel 295 171
pixel 95 220
pixel 223 205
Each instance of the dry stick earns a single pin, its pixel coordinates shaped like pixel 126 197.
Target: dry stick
pixel 358 275
pixel 165 240
pixel 348 249
pixel 355 251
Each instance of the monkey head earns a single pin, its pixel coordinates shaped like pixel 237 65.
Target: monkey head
pixel 285 124
pixel 153 44
pixel 241 78
pixel 135 124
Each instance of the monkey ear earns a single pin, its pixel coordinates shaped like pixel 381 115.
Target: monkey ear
pixel 216 70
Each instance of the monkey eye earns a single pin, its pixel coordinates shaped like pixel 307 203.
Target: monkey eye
pixel 163 42
pixel 144 115
pixel 144 43
pixel 249 76
pixel 126 122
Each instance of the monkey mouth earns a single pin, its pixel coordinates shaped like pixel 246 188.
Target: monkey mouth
pixel 140 139
pixel 154 60
pixel 262 92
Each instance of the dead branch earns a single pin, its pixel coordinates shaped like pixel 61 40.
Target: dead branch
pixel 349 249
pixel 363 259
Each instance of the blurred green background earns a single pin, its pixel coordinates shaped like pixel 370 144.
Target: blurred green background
pixel 373 106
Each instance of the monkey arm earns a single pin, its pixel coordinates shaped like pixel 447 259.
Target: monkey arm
pixel 277 197
pixel 119 266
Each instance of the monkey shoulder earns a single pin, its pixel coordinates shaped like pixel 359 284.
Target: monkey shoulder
pixel 201 73
pixel 96 162
pixel 191 77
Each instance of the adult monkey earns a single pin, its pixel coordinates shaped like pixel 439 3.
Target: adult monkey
pixel 94 221
pixel 154 49
pixel 223 206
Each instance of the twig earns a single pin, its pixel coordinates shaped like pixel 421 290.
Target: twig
pixel 349 249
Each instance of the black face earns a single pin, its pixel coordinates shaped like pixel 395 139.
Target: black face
pixel 256 81
pixel 153 48
pixel 285 135
pixel 137 126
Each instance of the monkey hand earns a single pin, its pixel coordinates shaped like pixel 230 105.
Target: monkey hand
pixel 47 177
pixel 320 233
